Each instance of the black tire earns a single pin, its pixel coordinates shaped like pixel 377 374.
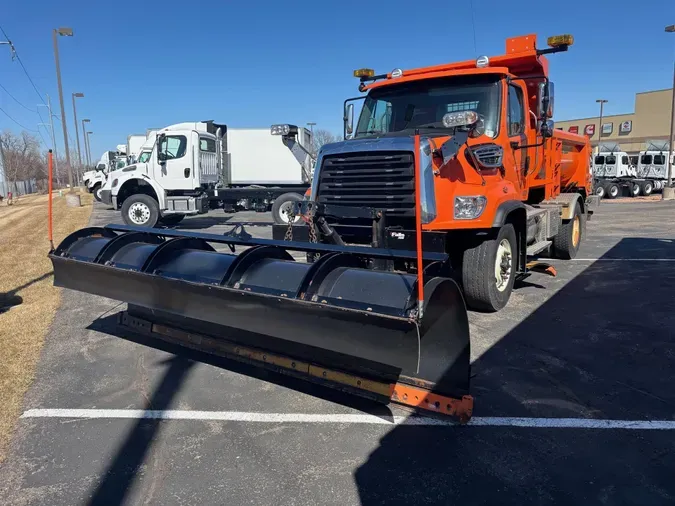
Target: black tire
pixel 96 191
pixel 612 191
pixel 278 205
pixel 147 207
pixel 646 188
pixel 600 190
pixel 478 272
pixel 635 190
pixel 171 219
pixel 565 244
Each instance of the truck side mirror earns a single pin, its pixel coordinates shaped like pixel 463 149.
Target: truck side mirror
pixel 545 101
pixel 546 128
pixel 349 120
pixel 161 148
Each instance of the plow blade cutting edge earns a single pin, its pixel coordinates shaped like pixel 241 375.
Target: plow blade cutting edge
pixel 360 325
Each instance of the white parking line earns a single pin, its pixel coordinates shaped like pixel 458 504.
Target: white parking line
pixel 242 416
pixel 622 260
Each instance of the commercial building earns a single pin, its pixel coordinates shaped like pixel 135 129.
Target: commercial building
pixel 650 121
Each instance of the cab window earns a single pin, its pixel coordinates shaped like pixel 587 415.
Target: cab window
pixel 143 157
pixel 610 160
pixel 174 146
pixel 659 159
pixel 516 115
pixel 624 160
pixel 646 159
pixel 206 144
pixel 599 160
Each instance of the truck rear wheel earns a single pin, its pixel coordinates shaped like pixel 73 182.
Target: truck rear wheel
pixel 612 190
pixel 634 189
pixel 647 187
pixel 282 207
pixel 568 239
pixel 600 190
pixel 489 271
pixel 141 210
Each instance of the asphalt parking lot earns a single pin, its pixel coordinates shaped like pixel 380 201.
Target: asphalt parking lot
pixel 596 343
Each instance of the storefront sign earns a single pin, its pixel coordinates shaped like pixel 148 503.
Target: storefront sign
pixel 607 128
pixel 589 130
pixel 626 127
pixel 574 129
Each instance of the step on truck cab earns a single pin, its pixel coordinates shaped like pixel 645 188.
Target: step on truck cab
pixel 498 184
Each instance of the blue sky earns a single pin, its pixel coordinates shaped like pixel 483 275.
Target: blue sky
pixel 145 64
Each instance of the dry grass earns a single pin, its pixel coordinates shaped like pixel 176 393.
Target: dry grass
pixel 28 300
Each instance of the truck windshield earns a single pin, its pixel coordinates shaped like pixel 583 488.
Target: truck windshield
pixel 646 159
pixel 422 104
pixel 610 160
pixel 599 160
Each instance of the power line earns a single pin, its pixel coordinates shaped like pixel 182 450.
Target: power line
pixel 16 54
pixel 15 121
pixel 15 100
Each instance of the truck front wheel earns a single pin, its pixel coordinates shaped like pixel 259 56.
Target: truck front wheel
pixel 568 239
pixel 141 210
pixel 489 271
pixel 96 190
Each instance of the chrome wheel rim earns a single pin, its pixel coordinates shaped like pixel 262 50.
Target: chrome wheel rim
pixel 503 265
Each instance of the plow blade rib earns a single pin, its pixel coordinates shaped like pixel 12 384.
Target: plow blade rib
pixel 333 313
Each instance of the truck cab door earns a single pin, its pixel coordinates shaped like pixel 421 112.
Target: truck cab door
pixel 515 124
pixel 174 168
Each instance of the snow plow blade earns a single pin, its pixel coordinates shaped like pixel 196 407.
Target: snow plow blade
pixel 333 320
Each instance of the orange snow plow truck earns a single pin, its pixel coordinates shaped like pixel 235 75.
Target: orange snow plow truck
pixel 452 176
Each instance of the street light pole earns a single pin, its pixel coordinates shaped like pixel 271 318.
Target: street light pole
pixel 77 134
pixel 86 142
pixel 89 144
pixel 671 139
pixel 64 32
pixel 602 102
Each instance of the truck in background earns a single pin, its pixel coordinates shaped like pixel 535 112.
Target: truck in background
pixel 615 173
pixel 189 168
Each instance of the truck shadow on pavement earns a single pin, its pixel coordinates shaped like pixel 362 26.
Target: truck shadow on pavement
pixel 601 347
pixel 202 222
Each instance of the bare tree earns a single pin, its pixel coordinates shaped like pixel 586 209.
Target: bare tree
pixel 22 157
pixel 322 137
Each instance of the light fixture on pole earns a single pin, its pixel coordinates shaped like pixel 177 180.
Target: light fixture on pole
pixel 77 133
pixel 73 200
pixel 87 153
pixel 602 102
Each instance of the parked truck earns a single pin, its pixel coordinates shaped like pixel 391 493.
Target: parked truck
pixel 499 183
pixel 616 173
pixel 190 168
pixel 451 168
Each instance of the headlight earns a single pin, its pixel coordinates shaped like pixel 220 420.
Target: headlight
pixel 468 208
pixel 283 129
pixel 114 183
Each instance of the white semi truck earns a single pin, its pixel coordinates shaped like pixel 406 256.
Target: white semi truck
pixel 189 168
pixel 615 173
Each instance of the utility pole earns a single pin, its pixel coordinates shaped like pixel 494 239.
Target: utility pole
pixel 3 174
pixel 51 129
pixel 74 200
pixel 77 134
pixel 86 143
pixel 668 191
pixel 602 102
